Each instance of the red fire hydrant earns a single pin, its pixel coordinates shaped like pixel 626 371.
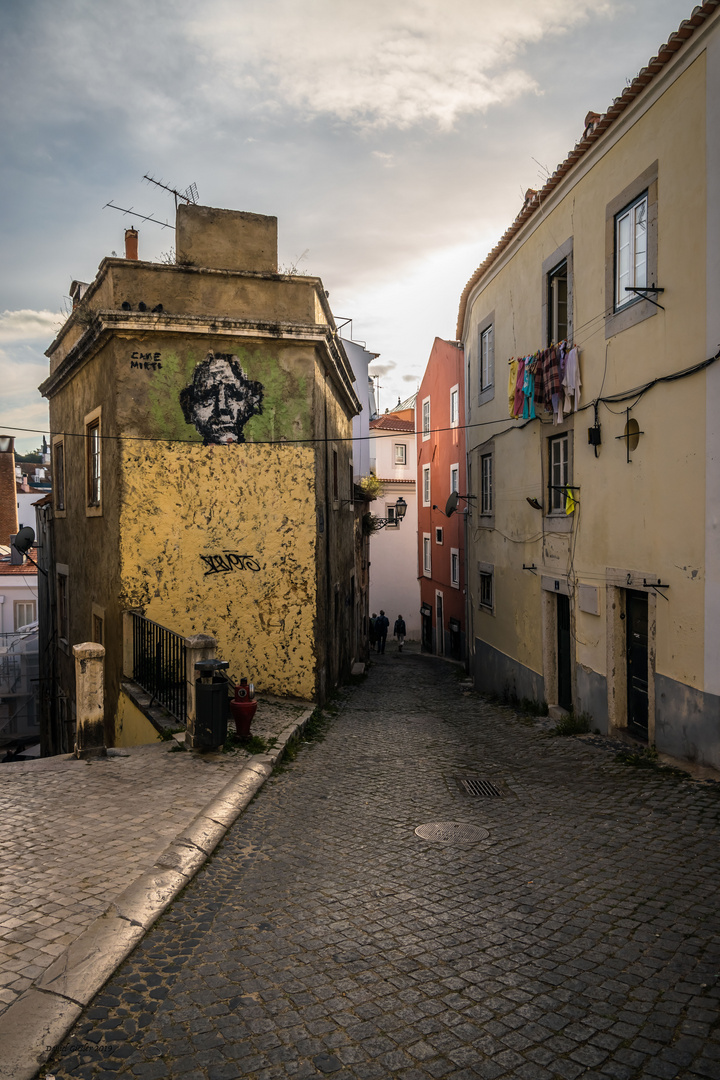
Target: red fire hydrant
pixel 243 708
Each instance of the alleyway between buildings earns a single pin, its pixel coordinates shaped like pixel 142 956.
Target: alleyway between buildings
pixel 578 934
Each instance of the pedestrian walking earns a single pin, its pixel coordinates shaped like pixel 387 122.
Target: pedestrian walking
pixel 382 625
pixel 371 629
pixel 399 631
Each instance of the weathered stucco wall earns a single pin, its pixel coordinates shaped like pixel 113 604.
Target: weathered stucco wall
pixel 221 540
pixel 647 516
pixel 132 728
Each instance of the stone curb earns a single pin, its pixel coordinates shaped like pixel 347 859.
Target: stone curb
pixel 34 1025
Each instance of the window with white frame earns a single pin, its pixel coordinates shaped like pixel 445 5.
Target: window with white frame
pixel 454 478
pixel 426 418
pixel 438 534
pixel 454 406
pixel 93 463
pixel 427 555
pixel 486 358
pixel 25 612
pixel 455 567
pixel 559 472
pixel 557 300
pixel 426 485
pixel 400 453
pixel 391 515
pixel 631 251
pixel 486 484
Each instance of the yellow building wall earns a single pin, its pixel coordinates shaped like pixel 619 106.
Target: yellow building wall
pixel 221 540
pixel 132 728
pixel 648 515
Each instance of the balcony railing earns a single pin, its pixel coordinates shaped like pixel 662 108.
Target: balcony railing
pixel 159 665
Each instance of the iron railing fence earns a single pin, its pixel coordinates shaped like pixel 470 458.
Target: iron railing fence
pixel 159 665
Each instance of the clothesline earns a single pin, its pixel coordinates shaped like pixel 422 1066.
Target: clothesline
pixel 548 379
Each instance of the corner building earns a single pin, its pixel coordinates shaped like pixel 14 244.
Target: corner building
pixel 594 561
pixel 203 455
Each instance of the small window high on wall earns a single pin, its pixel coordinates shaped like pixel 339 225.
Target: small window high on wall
pixel 557 303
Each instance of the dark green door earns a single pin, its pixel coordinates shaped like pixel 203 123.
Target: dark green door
pixel 636 611
pixel 564 660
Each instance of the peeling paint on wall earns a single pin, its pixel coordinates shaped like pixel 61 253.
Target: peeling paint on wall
pixel 184 505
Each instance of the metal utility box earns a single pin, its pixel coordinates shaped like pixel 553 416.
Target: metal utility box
pixel 211 703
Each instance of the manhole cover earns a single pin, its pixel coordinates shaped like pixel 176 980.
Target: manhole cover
pixel 451 832
pixel 473 786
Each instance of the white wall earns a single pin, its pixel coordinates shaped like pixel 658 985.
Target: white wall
pixel 15 587
pixel 393 551
pixel 360 359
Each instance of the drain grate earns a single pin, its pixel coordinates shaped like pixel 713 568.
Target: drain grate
pixel 480 787
pixel 451 832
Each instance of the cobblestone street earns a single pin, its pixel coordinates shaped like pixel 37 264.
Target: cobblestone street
pixel 580 937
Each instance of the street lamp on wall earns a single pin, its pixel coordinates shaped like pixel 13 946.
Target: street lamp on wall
pixel 400 509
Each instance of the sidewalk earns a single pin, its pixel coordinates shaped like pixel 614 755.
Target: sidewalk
pixel 92 852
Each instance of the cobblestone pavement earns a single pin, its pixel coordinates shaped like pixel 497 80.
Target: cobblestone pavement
pixel 74 834
pixel 324 937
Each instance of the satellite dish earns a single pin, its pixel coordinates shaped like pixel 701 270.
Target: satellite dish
pixel 452 504
pixel 24 540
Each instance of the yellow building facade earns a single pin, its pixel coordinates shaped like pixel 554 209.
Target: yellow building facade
pixel 594 562
pixel 203 418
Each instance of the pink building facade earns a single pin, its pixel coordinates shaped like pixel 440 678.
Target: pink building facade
pixel 441 470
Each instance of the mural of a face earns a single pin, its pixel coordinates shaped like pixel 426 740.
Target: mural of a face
pixel 221 399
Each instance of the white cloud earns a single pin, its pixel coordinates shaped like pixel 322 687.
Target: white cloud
pixel 29 325
pixel 379 65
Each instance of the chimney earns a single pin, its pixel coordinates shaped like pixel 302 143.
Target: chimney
pixel 8 490
pixel 131 244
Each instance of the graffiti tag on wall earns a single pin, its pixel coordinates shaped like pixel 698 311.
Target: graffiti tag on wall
pixel 228 562
pixel 221 399
pixel 146 361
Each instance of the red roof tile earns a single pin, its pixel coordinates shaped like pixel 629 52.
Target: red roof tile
pixel 25 568
pixel 391 423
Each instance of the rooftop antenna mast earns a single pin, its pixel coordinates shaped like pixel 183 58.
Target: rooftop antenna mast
pixel 189 196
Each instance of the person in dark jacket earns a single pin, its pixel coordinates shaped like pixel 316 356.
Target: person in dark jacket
pixel 399 631
pixel 382 625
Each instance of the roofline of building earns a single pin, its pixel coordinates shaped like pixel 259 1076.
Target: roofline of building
pixel 107 323
pixel 534 203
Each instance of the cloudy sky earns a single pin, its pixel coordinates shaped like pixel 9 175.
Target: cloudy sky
pixel 393 139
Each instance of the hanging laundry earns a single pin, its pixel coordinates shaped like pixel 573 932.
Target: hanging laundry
pixel 569 500
pixel 571 381
pixel 529 389
pixel 559 396
pixel 512 385
pixel 519 389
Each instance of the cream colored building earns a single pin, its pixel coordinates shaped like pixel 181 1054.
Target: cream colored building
pixel 613 609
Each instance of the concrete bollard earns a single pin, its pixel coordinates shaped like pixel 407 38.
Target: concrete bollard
pixel 90 700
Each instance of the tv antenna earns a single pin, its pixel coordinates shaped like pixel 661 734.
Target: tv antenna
pixel 135 213
pixel 188 196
